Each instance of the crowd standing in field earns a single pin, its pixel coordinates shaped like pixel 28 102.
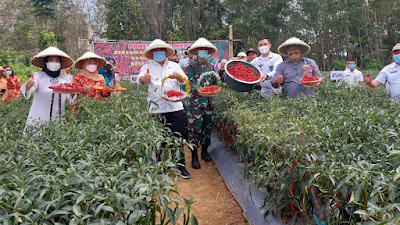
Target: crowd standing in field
pixel 191 118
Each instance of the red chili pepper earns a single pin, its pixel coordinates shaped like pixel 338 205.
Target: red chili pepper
pixel 243 73
pixel 293 165
pixel 173 93
pixel 292 209
pixel 291 189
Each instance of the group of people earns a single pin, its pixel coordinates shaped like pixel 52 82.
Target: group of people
pixel 278 76
pixel 192 119
pixel 193 122
pixel 55 65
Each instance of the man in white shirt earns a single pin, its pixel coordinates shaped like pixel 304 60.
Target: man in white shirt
pixel 186 61
pixel 152 73
pixel 390 75
pixel 352 76
pixel 267 63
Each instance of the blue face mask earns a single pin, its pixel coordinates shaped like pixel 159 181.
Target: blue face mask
pixel 9 73
pixel 352 67
pixel 159 56
pixel 396 58
pixel 203 54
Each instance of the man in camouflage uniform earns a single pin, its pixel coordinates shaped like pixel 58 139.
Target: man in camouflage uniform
pixel 199 109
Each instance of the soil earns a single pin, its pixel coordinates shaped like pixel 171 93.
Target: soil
pixel 214 203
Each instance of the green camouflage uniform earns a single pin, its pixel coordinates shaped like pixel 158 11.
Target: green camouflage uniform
pixel 199 109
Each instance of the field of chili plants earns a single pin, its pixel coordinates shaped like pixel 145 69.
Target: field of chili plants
pixel 335 158
pixel 96 167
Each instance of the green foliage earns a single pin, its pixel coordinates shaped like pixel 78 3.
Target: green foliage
pixel 340 64
pixel 123 19
pixel 94 167
pixel 371 63
pixel 46 39
pixel 343 146
pixel 44 8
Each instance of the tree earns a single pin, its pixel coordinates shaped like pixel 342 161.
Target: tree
pixel 123 19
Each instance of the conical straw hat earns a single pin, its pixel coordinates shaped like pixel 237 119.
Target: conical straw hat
pixel 101 62
pixel 158 44
pixel 202 43
pixel 38 60
pixel 305 48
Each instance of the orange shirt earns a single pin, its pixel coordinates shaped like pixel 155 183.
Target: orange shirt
pixel 14 88
pixel 82 81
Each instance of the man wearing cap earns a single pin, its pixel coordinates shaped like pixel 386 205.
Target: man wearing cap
pixel 390 75
pixel 289 73
pixel 267 63
pixel 241 56
pixel 199 109
pixel 221 72
pixel 251 54
pixel 152 73
pixel 185 61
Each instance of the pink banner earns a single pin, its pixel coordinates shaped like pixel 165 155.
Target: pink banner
pixel 129 55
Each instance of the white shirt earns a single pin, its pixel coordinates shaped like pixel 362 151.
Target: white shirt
pixel 42 100
pixel 391 75
pixel 352 78
pixel 184 62
pixel 268 66
pixel 155 103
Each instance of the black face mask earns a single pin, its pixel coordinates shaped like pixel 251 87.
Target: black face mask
pixel 52 74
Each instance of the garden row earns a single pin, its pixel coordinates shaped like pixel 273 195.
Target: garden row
pixel 96 167
pixel 335 159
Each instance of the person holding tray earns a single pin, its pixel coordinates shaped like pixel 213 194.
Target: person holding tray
pixel 160 73
pixel 290 72
pixel 199 109
pixel 13 84
pixel 46 105
pixel 88 78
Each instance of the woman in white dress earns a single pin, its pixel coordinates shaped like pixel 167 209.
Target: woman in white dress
pixel 46 105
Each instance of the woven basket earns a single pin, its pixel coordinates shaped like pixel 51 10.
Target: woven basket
pixel 309 83
pixel 175 99
pixel 240 85
pixel 209 75
pixel 210 94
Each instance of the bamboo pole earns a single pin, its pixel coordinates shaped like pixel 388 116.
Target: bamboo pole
pixel 90 37
pixel 230 41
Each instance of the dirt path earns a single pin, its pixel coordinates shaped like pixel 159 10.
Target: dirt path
pixel 214 204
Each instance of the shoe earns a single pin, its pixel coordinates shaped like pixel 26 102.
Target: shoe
pixel 195 160
pixel 182 172
pixel 204 154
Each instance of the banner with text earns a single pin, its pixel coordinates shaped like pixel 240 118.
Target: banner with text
pixel 129 55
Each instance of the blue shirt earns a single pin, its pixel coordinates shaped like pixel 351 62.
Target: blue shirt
pixel 292 74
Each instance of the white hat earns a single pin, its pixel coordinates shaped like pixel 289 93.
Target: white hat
pixel 38 60
pixel 101 62
pixel 158 44
pixel 396 47
pixel 241 54
pixel 305 48
pixel 224 61
pixel 202 43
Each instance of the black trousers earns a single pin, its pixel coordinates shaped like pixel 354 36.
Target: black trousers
pixel 177 122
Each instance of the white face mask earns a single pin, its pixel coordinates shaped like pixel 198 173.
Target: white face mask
pixel 53 66
pixel 264 49
pixel 91 68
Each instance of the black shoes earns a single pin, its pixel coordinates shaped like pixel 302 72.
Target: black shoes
pixel 195 160
pixel 204 154
pixel 182 172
